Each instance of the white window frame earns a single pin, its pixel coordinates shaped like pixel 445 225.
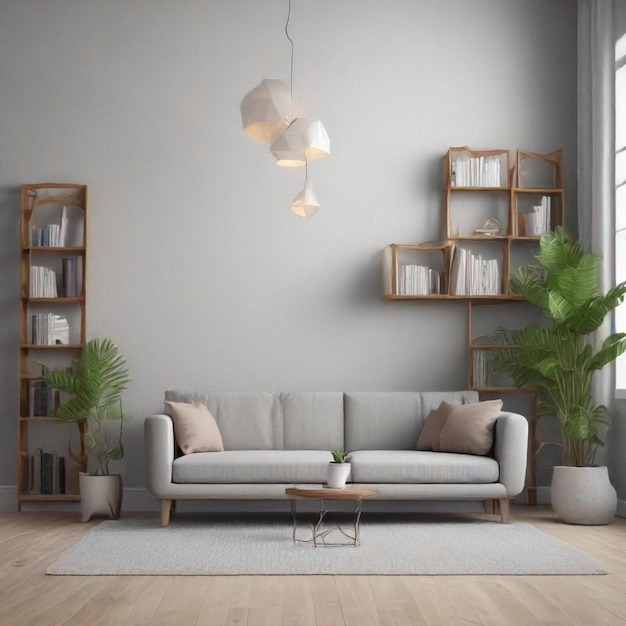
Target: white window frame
pixel 620 199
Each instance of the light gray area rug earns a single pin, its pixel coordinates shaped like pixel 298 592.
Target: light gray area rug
pixel 393 545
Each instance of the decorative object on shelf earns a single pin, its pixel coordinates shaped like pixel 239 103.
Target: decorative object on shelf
pixel 559 361
pixel 269 113
pixel 338 470
pixel 95 383
pixel 491 227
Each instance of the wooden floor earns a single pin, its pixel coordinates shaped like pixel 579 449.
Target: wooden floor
pixel 31 541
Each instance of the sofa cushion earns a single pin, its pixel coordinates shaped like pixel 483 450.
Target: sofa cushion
pixel 312 420
pixel 247 420
pixel 414 466
pixel 195 428
pixel 392 420
pixel 429 437
pixel 253 466
pixel 468 428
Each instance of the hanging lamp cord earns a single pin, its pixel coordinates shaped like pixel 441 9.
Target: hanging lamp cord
pixel 292 46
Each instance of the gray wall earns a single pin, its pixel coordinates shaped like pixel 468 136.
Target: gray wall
pixel 197 268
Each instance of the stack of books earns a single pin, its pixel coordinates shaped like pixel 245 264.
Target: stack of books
pixel 46 472
pixel 52 235
pixel 72 276
pixel 49 329
pixel 483 171
pixel 417 280
pixel 472 275
pixel 43 282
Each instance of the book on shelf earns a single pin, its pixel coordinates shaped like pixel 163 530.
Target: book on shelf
pixel 43 282
pixel 72 276
pixel 42 397
pixel 539 220
pixel 52 235
pixel 49 329
pixel 417 280
pixel 47 473
pixel 47 469
pixel 471 275
pixel 34 476
pixel 475 171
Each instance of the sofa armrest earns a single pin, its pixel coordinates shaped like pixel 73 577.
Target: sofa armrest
pixel 511 451
pixel 159 442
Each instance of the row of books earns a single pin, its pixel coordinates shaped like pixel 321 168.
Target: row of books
pixel 481 373
pixel 46 473
pixel 483 171
pixel 417 280
pixel 471 275
pixel 540 220
pixel 49 329
pixel 44 282
pixel 52 235
pixel 42 397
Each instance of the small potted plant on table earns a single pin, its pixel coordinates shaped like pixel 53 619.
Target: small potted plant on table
pixel 338 470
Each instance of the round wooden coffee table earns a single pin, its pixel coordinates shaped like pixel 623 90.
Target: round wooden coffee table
pixel 320 536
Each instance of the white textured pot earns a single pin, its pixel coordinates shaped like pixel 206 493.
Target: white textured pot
pixel 583 495
pixel 337 475
pixel 100 495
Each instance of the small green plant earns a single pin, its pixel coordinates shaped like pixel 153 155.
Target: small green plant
pixel 95 383
pixel 340 456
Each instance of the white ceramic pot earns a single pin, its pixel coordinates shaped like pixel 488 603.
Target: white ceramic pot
pixel 337 475
pixel 583 495
pixel 100 495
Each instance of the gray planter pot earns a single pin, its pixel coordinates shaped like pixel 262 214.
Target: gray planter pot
pixel 583 495
pixel 100 495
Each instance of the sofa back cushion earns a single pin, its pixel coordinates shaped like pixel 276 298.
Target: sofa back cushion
pixel 246 420
pixel 392 420
pixel 312 420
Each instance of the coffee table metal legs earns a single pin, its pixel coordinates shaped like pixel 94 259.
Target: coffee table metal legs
pixel 321 536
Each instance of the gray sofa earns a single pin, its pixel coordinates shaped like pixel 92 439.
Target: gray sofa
pixel 276 440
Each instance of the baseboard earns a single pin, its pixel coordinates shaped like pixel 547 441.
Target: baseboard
pixel 139 499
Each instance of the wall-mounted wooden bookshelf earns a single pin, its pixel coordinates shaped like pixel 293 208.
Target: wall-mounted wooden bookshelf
pixel 53 252
pixel 496 205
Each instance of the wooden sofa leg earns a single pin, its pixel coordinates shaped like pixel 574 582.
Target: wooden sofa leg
pixel 505 510
pixel 489 507
pixel 166 508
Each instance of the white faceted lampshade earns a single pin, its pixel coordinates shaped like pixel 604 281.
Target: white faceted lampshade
pixel 305 204
pixel 268 109
pixel 302 141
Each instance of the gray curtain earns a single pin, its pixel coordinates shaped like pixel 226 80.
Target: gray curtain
pixel 596 155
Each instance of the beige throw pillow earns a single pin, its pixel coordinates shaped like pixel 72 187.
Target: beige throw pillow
pixel 468 428
pixel 195 428
pixel 429 437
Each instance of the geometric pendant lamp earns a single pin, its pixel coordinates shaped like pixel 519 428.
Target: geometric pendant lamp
pixel 301 142
pixel 268 109
pixel 269 113
pixel 305 204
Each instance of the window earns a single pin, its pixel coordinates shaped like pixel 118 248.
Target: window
pixel 620 193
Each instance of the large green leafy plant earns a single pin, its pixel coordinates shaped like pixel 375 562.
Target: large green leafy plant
pixel 95 383
pixel 559 358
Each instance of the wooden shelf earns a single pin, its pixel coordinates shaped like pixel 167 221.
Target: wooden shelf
pixel 524 180
pixel 46 209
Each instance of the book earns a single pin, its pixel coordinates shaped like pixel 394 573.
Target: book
pixel 61 470
pixel 35 471
pixel 46 473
